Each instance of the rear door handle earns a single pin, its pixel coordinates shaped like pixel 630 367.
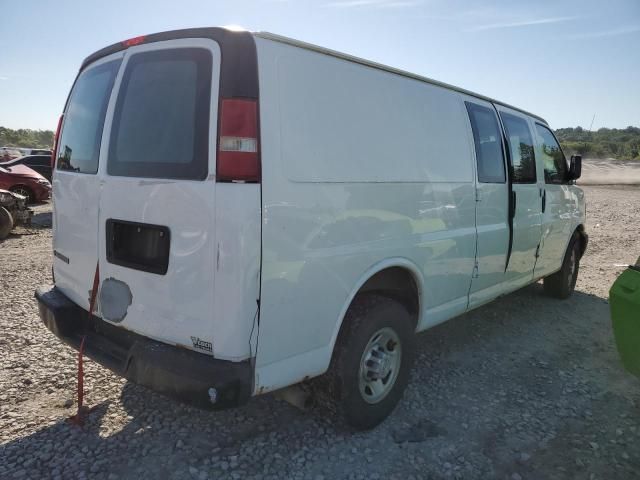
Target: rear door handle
pixel 544 200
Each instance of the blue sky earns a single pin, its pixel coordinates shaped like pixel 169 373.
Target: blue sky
pixel 565 60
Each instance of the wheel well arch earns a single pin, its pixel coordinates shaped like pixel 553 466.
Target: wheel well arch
pixel 397 283
pixel 397 278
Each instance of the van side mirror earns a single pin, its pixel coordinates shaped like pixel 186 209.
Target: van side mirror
pixel 575 167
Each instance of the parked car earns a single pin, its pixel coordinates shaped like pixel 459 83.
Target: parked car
pixel 35 151
pixel 13 211
pixel 24 181
pixel 39 163
pixel 624 300
pixel 265 211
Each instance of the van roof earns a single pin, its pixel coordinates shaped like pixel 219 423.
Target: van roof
pixel 220 34
pixel 386 68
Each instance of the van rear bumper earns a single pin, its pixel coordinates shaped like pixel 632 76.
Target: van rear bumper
pixel 176 372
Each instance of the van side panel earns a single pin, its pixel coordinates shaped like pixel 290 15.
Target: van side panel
pixel 343 122
pixel 358 166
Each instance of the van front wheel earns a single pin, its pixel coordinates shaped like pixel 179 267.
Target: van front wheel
pixel 562 283
pixel 371 362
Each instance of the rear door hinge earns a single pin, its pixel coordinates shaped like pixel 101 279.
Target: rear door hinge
pixel 475 273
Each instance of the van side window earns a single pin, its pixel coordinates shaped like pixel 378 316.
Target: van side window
pixel 520 148
pixel 79 145
pixel 555 165
pixel 488 143
pixel 161 120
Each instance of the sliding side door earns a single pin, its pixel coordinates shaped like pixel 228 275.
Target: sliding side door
pixel 493 224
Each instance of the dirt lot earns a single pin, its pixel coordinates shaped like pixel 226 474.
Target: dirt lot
pixel 609 172
pixel 527 387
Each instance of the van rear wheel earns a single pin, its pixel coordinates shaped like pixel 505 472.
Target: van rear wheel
pixel 371 362
pixel 562 283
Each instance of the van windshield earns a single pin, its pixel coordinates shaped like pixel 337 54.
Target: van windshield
pixel 79 146
pixel 160 125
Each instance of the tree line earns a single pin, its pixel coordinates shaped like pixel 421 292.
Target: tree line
pixel 25 138
pixel 621 144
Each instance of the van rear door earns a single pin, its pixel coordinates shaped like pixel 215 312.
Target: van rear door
pixel 147 214
pixel 76 185
pixel 156 233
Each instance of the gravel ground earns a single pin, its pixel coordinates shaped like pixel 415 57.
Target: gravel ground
pixel 526 387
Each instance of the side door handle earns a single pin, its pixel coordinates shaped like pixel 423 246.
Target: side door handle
pixel 544 199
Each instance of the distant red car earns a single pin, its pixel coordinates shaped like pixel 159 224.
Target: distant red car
pixel 24 181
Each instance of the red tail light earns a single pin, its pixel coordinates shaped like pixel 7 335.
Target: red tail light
pixel 238 156
pixel 54 152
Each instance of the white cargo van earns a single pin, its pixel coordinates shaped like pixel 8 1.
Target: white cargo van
pixel 238 212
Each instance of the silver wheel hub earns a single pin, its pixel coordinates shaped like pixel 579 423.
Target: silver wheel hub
pixel 380 365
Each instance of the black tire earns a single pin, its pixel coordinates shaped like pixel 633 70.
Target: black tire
pixel 367 316
pixel 6 223
pixel 24 191
pixel 562 283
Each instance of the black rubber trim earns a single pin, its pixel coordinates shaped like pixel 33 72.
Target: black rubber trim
pixel 239 66
pixel 173 371
pixel 512 195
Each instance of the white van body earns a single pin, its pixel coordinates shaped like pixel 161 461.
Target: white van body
pixel 368 181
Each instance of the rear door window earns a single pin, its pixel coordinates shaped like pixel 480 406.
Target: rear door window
pixel 161 122
pixel 79 145
pixel 520 148
pixel 555 165
pixel 488 143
